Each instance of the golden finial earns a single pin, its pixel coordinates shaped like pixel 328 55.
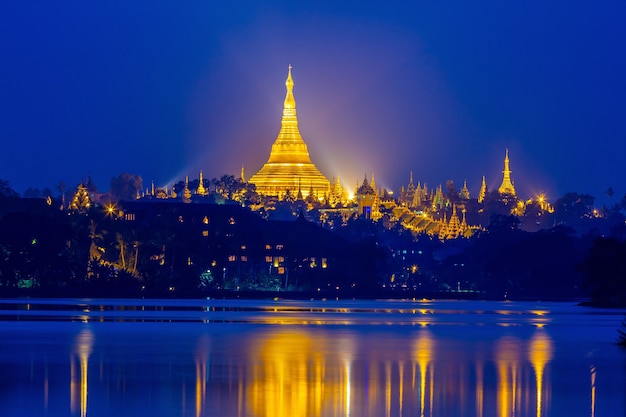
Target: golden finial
pixel 290 102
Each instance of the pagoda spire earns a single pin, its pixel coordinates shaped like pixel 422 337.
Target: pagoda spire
pixel 290 101
pixel 483 191
pixel 507 186
pixel 201 190
pixel 289 157
pixel 186 190
pixel 299 196
pixel 464 194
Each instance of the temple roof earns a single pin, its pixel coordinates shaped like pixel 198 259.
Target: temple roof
pixel 365 188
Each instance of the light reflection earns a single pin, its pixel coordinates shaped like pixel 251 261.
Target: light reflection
pixel 401 387
pixel 593 390
pixel 418 365
pixel 540 354
pixel 289 377
pixel 480 390
pixel 423 355
pixel 82 348
pixel 348 386
pixel 201 360
pixel 388 389
pixel 508 355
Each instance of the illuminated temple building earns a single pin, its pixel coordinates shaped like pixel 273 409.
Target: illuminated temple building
pixel 289 167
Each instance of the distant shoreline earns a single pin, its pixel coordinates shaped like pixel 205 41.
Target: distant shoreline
pixel 309 295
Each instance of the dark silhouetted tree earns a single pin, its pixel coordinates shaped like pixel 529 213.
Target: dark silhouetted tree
pixel 125 186
pixel 6 191
pixel 604 272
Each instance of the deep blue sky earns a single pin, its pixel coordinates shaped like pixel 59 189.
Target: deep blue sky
pixel 164 89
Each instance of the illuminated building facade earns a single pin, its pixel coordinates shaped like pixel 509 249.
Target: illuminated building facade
pixel 367 200
pixel 289 163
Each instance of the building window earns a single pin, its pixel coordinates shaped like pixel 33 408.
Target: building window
pixel 268 259
pixel 244 259
pixel 324 263
pixel 205 220
pixel 205 233
pixel 279 247
pixel 232 258
pixel 281 270
pixel 268 247
pixel 243 247
pixel 129 216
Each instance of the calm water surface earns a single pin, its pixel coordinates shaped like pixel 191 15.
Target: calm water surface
pixel 309 358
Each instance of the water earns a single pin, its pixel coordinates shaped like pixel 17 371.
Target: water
pixel 309 358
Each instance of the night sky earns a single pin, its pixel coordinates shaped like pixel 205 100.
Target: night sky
pixel 164 89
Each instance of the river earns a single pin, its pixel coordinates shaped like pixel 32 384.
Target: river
pixel 274 358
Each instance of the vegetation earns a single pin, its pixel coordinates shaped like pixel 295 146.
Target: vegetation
pixel 605 272
pixel 155 247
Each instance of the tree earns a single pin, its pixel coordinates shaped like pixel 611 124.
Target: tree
pixel 232 188
pixel 604 272
pixel 125 186
pixel 32 192
pixel 6 191
pixel 451 193
pixel 573 206
pixel 500 223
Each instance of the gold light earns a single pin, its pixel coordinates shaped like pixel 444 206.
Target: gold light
pixel 82 348
pixel 540 354
pixel 289 166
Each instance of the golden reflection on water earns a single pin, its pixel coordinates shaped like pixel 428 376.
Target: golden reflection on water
pixel 307 372
pixel 593 390
pixel 423 355
pixel 508 356
pixel 480 388
pixel 201 358
pixel 540 354
pixel 289 377
pixel 294 373
pixel 82 348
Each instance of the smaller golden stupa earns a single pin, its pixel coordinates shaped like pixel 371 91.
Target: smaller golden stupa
pixel 289 167
pixel 507 186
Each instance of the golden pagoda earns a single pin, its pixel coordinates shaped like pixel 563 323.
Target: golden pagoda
pixel 201 190
pixel 289 163
pixel 483 191
pixel 507 186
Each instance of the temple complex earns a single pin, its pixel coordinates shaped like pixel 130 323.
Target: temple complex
pixel 289 164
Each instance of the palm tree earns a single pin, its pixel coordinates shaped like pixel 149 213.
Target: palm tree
pixel 121 245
